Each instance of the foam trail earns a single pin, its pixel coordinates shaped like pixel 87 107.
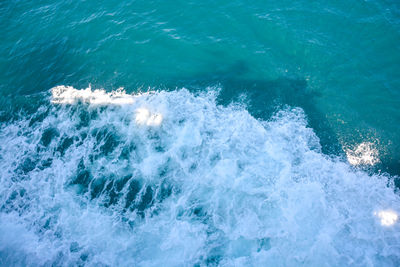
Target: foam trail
pixel 171 178
pixel 69 95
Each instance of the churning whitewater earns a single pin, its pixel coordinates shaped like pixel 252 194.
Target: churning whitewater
pixel 173 179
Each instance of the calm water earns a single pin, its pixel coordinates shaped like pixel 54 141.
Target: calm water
pixel 184 133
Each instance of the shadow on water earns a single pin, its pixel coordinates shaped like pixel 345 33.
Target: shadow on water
pixel 265 97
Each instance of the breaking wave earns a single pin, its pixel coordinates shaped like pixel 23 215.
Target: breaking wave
pixel 172 178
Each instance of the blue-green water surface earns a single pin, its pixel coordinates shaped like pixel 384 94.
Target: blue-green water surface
pixel 345 54
pixel 329 67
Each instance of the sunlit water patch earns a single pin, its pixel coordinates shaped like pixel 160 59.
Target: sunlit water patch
pixel 172 179
pixel 388 217
pixel 363 154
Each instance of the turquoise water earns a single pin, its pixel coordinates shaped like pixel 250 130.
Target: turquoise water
pixel 345 56
pixel 201 133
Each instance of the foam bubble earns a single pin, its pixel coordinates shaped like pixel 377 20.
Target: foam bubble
pixel 172 178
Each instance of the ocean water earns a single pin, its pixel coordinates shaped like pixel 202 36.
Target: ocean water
pixel 229 133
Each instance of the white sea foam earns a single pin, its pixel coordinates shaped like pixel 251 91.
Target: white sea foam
pixel 388 217
pixel 172 179
pixel 364 154
pixel 144 116
pixel 69 95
